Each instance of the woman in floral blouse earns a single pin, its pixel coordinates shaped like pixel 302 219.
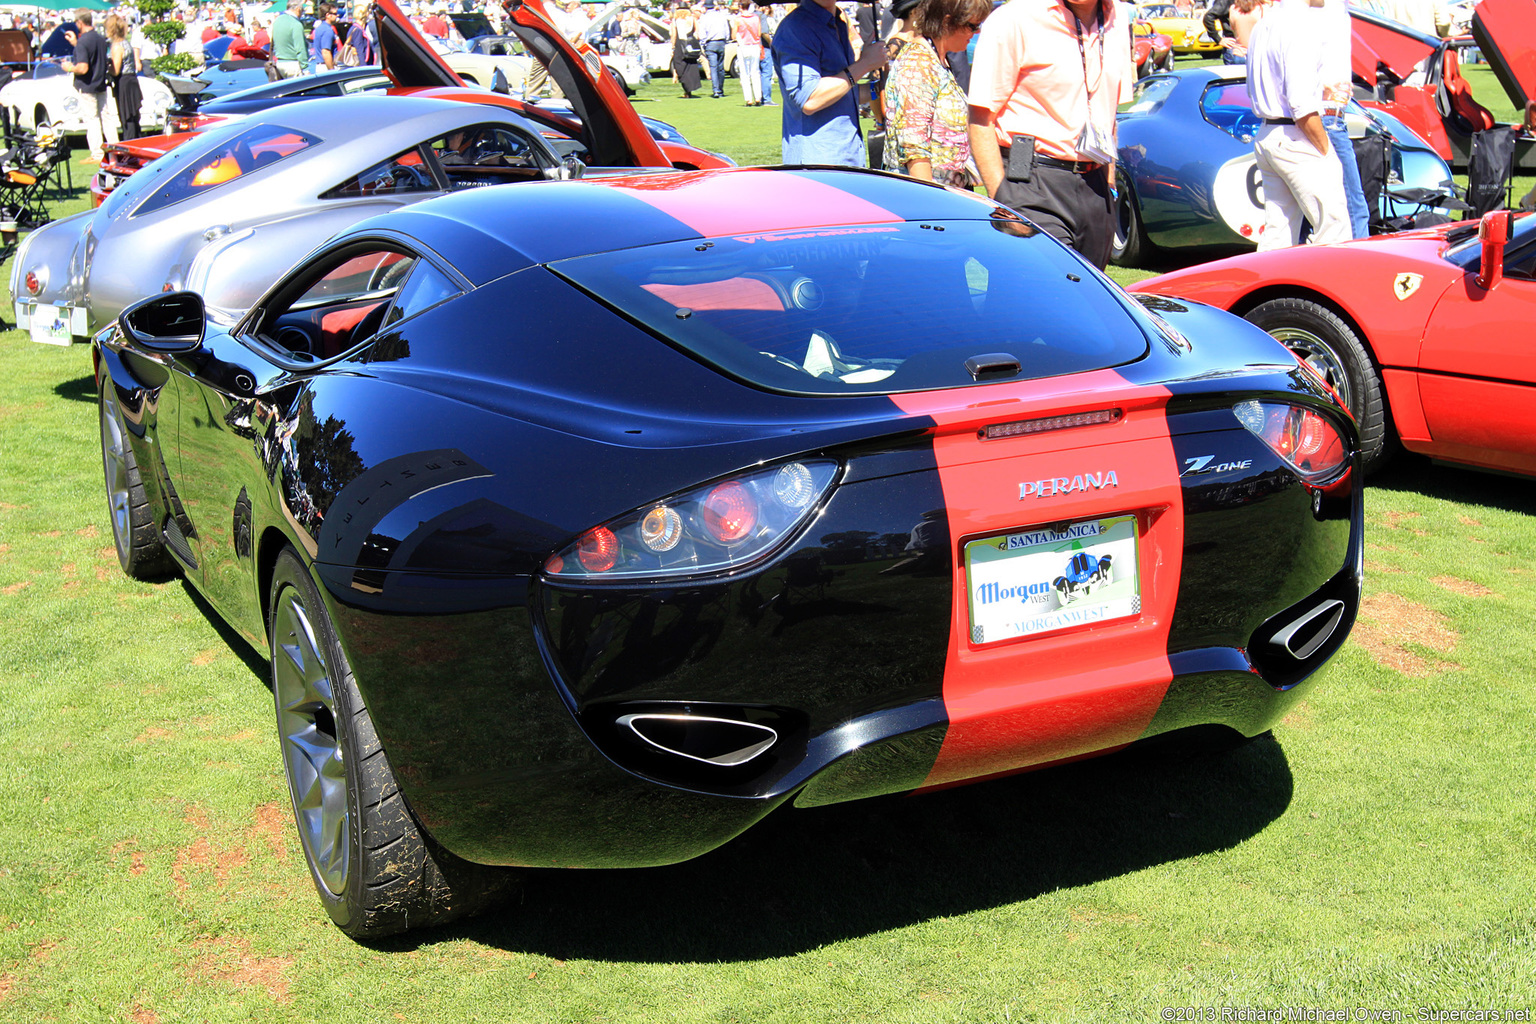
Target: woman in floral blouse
pixel 926 115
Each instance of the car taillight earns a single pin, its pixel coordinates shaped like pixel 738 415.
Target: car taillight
pixel 1305 438
pixel 34 284
pixel 717 526
pixel 597 550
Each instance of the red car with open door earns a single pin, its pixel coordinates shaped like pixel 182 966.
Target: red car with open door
pixel 1417 77
pixel 1424 335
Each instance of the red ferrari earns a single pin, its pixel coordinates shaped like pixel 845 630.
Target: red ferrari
pixel 1424 335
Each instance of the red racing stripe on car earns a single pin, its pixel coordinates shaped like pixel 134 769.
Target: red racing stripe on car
pixel 752 203
pixel 1024 702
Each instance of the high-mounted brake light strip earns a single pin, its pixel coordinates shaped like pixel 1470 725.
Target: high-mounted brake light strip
pixel 1019 428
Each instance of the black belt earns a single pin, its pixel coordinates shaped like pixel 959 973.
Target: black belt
pixel 1075 166
pixel 1279 120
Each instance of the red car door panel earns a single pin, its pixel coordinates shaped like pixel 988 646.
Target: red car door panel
pixel 1478 374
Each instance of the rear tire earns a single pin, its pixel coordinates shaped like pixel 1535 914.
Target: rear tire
pixel 140 551
pixel 1129 247
pixel 1322 339
pixel 376 872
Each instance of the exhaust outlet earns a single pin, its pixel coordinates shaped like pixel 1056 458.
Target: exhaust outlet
pixel 1305 635
pixel 718 741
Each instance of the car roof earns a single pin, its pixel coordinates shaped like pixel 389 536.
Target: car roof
pixel 489 232
pixel 368 119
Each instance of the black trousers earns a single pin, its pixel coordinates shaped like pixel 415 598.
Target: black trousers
pixel 1075 209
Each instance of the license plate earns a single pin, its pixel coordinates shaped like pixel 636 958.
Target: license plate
pixel 50 325
pixel 1045 579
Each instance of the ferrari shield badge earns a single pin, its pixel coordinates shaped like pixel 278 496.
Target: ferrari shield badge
pixel 1405 285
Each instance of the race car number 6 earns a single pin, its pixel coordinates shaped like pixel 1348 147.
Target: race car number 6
pixel 1189 1013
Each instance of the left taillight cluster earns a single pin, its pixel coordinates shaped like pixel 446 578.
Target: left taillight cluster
pixel 1308 441
pixel 717 526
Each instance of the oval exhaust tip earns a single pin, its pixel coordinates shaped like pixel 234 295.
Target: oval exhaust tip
pixel 718 741
pixel 1305 635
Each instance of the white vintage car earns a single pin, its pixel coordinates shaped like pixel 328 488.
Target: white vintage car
pixel 46 94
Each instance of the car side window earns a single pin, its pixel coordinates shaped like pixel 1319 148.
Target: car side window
pixel 1228 106
pixel 404 172
pixel 426 288
pixel 340 302
pixel 487 154
pixel 242 154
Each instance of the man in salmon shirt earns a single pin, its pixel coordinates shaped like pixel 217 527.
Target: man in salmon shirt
pixel 1046 80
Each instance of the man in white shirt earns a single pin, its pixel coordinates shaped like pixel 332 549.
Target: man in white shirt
pixel 1302 178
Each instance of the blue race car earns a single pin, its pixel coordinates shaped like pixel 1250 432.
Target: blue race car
pixel 1186 173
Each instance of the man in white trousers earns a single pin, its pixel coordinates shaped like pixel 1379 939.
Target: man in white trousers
pixel 1302 178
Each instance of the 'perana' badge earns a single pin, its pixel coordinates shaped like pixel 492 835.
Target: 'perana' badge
pixel 1406 285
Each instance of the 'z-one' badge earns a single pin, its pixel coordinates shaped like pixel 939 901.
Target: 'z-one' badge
pixel 1406 284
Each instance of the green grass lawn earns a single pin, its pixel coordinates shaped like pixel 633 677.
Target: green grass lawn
pixel 1376 852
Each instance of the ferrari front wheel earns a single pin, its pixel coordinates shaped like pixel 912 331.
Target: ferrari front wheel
pixel 1330 345
pixel 374 869
pixel 140 551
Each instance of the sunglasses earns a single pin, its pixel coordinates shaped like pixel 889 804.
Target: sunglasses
pixel 974 26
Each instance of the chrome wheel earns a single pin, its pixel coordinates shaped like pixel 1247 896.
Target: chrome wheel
pixel 1319 355
pixel 114 464
pixel 312 750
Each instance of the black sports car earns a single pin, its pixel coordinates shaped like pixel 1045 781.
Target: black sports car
pixel 587 522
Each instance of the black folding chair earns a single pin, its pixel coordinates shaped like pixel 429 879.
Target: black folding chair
pixel 1490 170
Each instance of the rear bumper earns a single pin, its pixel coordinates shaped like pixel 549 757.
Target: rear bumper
pixel 51 323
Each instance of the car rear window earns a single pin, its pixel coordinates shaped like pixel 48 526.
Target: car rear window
pixel 236 157
pixel 871 308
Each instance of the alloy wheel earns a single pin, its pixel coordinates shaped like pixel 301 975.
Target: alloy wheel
pixel 114 464
pixel 312 751
pixel 1318 354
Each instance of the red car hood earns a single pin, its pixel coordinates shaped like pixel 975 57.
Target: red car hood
pixel 1360 273
pixel 1380 41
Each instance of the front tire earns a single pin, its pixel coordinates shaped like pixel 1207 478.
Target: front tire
pixel 374 869
pixel 1325 341
pixel 140 550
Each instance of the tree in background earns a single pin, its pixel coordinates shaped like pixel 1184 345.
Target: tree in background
pixel 165 31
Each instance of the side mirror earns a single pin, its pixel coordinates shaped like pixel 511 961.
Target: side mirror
pixel 571 168
pixel 499 83
pixel 1493 232
pixel 164 324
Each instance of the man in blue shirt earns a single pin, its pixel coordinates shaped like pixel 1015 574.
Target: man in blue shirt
pixel 323 50
pixel 818 77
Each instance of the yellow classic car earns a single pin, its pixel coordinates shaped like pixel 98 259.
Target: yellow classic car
pixel 1187 31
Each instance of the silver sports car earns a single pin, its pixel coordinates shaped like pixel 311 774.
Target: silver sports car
pixel 229 211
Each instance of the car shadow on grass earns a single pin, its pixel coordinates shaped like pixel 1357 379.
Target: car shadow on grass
pixel 81 389
pixel 801 879
pixel 1416 474
pixel 257 663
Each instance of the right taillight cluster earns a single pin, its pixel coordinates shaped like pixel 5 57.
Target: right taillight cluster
pixel 1308 441
pixel 717 526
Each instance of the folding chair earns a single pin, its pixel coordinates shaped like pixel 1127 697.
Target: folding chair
pixel 1490 170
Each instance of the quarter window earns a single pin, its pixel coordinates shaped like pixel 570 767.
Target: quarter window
pixel 243 154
